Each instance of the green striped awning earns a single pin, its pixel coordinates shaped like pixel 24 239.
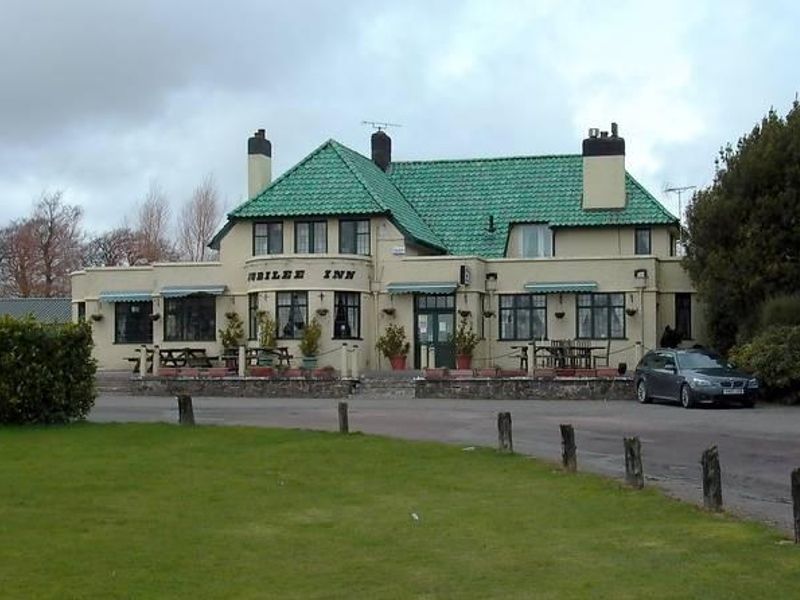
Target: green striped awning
pixel 559 287
pixel 127 296
pixel 422 287
pixel 181 291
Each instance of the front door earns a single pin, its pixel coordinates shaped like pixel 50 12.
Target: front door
pixel 434 326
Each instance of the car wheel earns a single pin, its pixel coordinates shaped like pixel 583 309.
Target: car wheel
pixel 641 392
pixel 686 397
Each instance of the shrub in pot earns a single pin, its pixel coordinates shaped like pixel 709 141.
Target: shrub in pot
pixel 309 344
pixel 465 341
pixel 232 335
pixel 394 346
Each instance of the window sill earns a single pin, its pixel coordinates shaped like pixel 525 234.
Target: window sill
pixel 350 339
pixel 132 343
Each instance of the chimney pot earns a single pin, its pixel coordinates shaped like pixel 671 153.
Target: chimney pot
pixel 614 130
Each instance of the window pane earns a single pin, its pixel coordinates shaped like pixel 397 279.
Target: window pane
pixel 617 322
pixel 276 238
pixel 617 299
pixel 584 300
pixel 642 241
pixel 600 318
pixel 539 300
pixel 506 324
pixel 347 243
pixel 347 315
pixel 584 322
pixel 320 237
pixel 506 301
pixel 252 313
pixel 132 324
pixel 523 324
pixel 292 313
pixel 523 300
pixel 301 241
pixel 190 319
pixel 537 241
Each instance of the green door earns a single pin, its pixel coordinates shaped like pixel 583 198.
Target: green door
pixel 434 324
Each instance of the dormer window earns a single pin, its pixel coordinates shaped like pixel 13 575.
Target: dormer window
pixel 536 241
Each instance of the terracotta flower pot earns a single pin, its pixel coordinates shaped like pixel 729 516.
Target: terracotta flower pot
pixel 463 361
pixel 398 363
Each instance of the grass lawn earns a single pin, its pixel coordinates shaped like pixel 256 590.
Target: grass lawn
pixel 158 511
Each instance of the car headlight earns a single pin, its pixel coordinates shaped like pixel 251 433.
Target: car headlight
pixel 699 382
pixel 752 383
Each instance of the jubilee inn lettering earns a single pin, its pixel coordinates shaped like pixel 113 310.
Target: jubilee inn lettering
pixel 298 274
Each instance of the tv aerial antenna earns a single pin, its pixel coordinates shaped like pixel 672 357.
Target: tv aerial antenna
pixel 380 125
pixel 679 191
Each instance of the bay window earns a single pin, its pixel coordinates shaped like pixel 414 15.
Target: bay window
pixel 354 237
pixel 311 237
pixel 292 313
pixel 267 238
pixel 347 315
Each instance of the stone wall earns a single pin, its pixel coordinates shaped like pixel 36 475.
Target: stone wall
pixel 568 388
pixel 254 387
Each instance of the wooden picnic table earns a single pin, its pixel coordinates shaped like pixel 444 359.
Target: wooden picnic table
pixel 258 356
pixel 569 354
pixel 175 357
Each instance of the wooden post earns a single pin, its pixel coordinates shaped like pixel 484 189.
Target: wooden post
pixel 634 474
pixel 343 370
pixel 242 361
pixel 569 455
pixel 185 410
pixel 143 361
pixel 354 369
pixel 504 440
pixel 344 425
pixel 532 360
pixel 712 479
pixel 796 504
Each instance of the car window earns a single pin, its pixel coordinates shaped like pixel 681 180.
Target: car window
pixel 647 361
pixel 699 360
pixel 665 361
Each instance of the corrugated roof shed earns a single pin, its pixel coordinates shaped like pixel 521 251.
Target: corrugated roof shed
pixel 47 310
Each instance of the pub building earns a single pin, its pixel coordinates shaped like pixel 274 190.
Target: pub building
pixel 541 248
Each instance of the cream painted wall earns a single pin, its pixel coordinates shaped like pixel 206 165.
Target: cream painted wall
pixel 604 182
pixel 570 242
pixel 394 259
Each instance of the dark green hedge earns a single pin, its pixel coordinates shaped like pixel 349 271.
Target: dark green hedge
pixel 46 372
pixel 774 357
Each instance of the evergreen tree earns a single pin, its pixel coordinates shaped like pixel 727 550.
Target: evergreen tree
pixel 743 238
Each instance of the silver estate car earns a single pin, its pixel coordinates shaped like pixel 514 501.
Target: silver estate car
pixel 692 377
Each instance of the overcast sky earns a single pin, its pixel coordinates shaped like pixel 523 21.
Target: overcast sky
pixel 98 98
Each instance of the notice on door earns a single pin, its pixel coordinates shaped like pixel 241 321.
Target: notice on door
pixel 422 324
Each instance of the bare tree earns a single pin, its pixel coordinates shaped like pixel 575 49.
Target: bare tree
pixel 38 253
pixel 58 235
pixel 197 221
pixel 118 247
pixel 152 227
pixel 19 265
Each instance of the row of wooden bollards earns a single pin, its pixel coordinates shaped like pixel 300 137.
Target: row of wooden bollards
pixel 634 473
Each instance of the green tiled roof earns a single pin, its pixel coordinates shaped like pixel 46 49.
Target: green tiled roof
pixel 335 180
pixel 456 198
pixel 447 204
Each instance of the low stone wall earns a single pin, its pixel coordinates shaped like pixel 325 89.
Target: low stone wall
pixel 567 388
pixel 254 387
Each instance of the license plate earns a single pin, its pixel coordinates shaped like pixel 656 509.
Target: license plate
pixel 733 391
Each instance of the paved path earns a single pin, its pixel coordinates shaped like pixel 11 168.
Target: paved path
pixel 758 448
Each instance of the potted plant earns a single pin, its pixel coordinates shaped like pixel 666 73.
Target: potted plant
pixel 266 337
pixel 309 344
pixel 97 317
pixel 233 333
pixel 465 341
pixel 394 346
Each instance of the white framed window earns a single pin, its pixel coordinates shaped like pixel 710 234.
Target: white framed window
pixel 536 241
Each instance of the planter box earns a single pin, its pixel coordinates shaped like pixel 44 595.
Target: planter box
pixel 188 372
pixel 545 372
pixel 607 372
pixel 565 372
pixel 167 372
pixel 326 373
pixel 486 372
pixel 461 374
pixel 261 372
pixel 585 372
pixel 293 373
pixel 216 372
pixel 435 374
pixel 513 373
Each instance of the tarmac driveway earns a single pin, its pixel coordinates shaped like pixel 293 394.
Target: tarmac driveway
pixel 758 448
